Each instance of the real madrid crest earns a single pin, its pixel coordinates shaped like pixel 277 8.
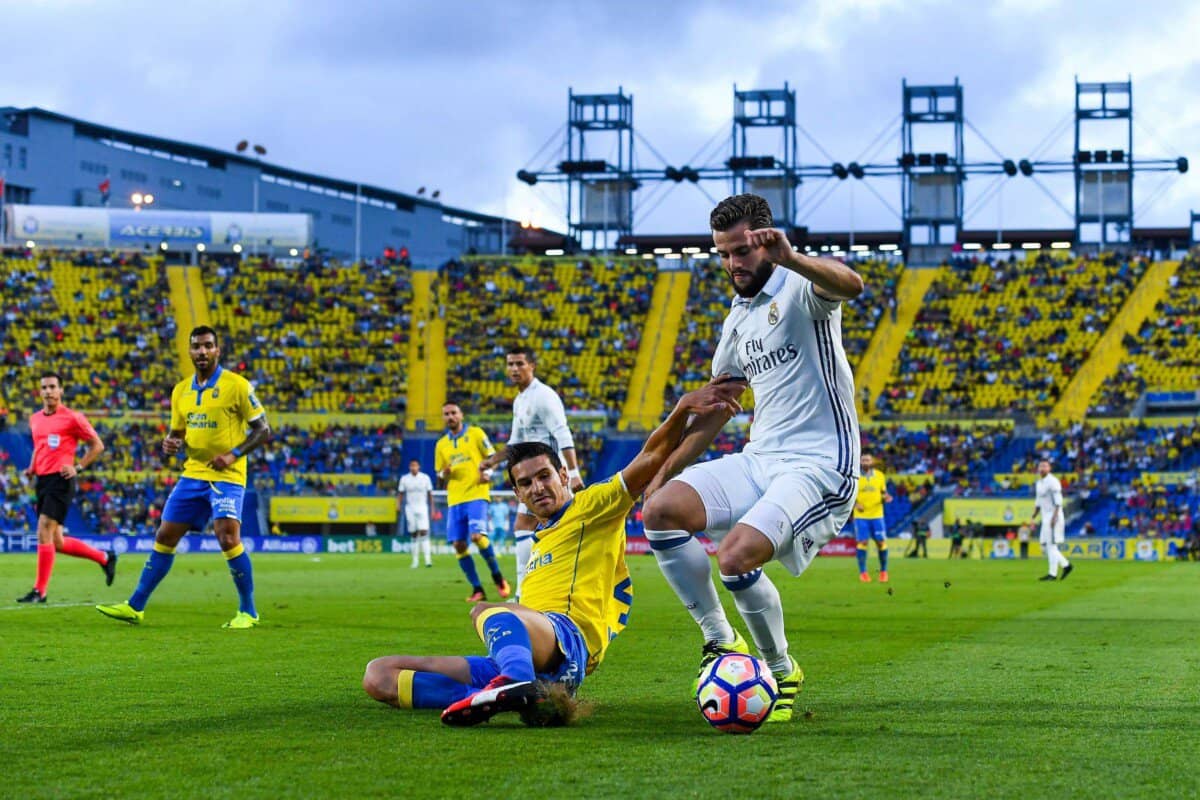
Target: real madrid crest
pixel 773 313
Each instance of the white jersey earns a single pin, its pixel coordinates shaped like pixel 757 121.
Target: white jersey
pixel 416 489
pixel 787 341
pixel 539 416
pixel 1049 497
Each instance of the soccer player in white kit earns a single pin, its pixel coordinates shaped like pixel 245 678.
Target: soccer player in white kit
pixel 1048 492
pixel 416 498
pixel 793 486
pixel 538 416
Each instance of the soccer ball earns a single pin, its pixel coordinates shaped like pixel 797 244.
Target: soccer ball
pixel 737 693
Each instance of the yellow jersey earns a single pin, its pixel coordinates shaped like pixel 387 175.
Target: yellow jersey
pixel 871 490
pixel 214 417
pixel 577 565
pixel 463 453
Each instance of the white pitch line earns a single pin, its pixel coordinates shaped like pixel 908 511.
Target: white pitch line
pixel 44 605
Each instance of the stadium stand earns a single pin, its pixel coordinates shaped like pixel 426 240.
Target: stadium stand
pixel 1005 336
pixel 585 319
pixel 318 337
pixel 1164 355
pixel 101 320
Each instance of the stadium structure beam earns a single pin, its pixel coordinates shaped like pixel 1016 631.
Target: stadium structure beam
pixel 600 194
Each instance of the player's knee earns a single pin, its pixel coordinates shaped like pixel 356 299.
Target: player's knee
pixel 668 509
pixel 379 682
pixel 460 547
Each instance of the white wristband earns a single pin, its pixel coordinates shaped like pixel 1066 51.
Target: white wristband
pixel 574 475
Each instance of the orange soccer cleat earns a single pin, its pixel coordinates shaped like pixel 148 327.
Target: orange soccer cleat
pixel 865 577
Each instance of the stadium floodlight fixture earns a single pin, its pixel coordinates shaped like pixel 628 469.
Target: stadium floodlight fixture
pixel 662 250
pixel 859 248
pixel 712 250
pixel 293 252
pixel 137 198
pixel 972 246
pixel 525 176
pixel 674 255
pixel 1026 167
pixel 1031 246
pixel 1181 164
pixel 839 171
pixel 162 246
pixel 887 248
pixel 672 174
pixel 30 244
pixel 148 199
pixel 631 251
pixel 647 256
pixel 237 248
pixel 1002 246
pixel 1060 245
pixel 855 170
pixel 200 248
pixel 554 251
pixel 1010 167
pixel 700 256
pixel 689 249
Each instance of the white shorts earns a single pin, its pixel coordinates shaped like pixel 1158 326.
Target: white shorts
pixel 1055 535
pixel 798 505
pixel 417 519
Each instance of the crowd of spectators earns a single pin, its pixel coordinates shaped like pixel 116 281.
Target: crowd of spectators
pixel 317 336
pixel 1164 354
pixel 100 320
pixel 583 318
pixel 1005 335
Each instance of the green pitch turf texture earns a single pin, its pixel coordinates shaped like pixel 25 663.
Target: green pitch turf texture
pixel 968 679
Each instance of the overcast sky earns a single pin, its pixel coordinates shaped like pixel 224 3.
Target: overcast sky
pixel 459 96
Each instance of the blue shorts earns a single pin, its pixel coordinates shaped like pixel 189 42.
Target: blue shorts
pixel 466 520
pixel 570 643
pixel 193 501
pixel 866 529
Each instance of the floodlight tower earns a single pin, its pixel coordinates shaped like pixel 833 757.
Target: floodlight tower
pixel 774 177
pixel 932 182
pixel 599 194
pixel 1104 178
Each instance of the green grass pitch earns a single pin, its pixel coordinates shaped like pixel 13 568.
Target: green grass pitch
pixel 969 679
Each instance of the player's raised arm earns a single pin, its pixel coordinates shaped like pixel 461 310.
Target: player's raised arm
pixel 717 398
pixel 698 435
pixel 831 279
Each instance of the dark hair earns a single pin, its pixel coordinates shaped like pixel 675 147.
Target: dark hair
pixel 49 374
pixel 201 330
pixel 524 451
pixel 741 208
pixel 523 350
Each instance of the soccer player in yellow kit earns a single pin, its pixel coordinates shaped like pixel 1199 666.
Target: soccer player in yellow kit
pixel 576 596
pixel 459 461
pixel 868 518
pixel 210 414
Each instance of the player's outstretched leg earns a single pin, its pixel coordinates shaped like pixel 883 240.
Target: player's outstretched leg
pixel 489 556
pixel 740 557
pixel 431 682
pixel 157 566
pixel 467 565
pixel 515 688
pixel 242 573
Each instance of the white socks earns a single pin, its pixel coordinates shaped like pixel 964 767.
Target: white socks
pixel 524 547
pixel 427 548
pixel 688 571
pixel 758 602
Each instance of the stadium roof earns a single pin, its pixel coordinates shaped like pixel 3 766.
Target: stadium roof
pixel 16 121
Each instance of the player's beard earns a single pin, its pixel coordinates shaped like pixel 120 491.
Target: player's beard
pixel 761 276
